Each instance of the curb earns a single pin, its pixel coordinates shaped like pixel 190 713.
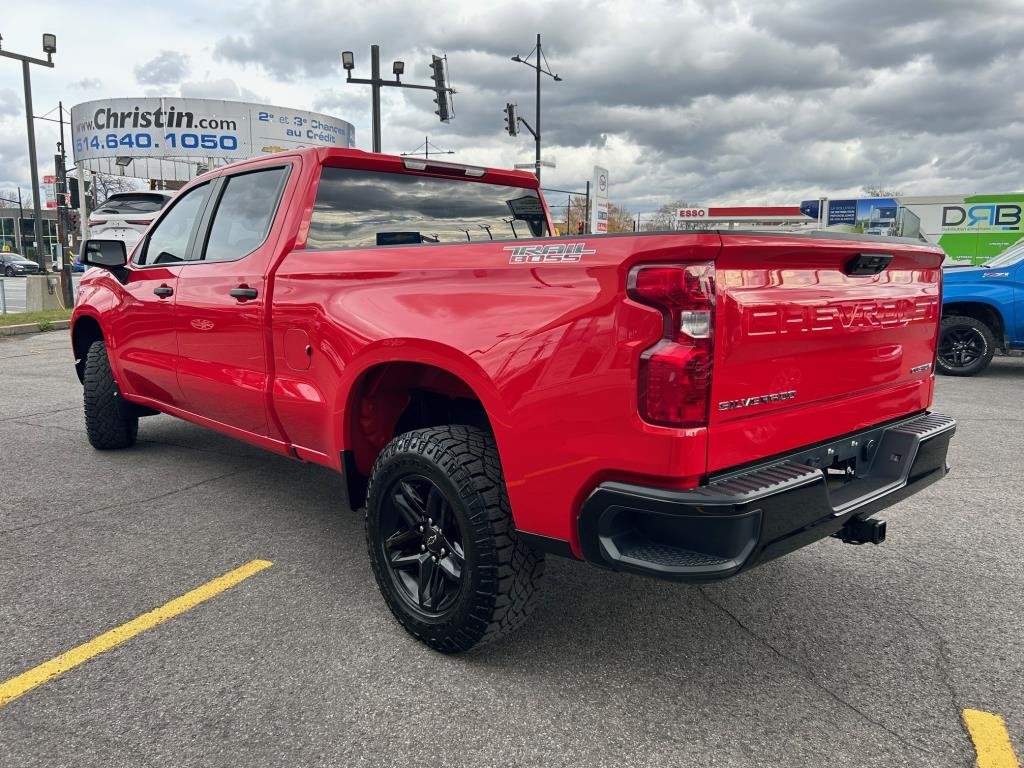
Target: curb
pixel 18 330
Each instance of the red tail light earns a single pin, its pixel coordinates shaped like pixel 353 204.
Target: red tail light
pixel 94 222
pixel 675 373
pixel 141 222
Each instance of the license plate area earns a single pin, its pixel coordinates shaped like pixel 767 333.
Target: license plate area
pixel 861 467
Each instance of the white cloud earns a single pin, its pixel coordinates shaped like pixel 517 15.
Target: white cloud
pixel 765 101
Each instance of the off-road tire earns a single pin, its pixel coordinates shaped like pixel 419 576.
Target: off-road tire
pixel 501 574
pixel 973 329
pixel 106 423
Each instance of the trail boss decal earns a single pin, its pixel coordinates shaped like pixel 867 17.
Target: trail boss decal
pixel 548 254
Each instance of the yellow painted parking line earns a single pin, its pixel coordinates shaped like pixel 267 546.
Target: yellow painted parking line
pixel 26 681
pixel 991 740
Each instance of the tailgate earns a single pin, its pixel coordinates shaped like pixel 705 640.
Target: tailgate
pixel 807 350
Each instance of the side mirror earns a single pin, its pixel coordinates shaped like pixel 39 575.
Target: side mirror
pixel 109 254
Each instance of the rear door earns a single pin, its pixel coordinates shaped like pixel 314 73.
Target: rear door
pixel 816 338
pixel 144 330
pixel 221 302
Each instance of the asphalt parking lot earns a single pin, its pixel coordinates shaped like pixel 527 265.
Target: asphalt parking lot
pixel 835 655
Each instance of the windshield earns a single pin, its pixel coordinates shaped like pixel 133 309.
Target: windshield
pixel 1006 258
pixel 132 203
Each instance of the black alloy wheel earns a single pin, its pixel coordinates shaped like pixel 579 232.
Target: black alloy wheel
pixel 422 543
pixel 442 542
pixel 966 346
pixel 962 347
pixel 9 271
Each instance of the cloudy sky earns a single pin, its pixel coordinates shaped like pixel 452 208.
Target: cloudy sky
pixel 758 101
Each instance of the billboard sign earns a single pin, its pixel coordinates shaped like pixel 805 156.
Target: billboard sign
pixel 871 215
pixel 197 128
pixel 842 212
pixel 972 228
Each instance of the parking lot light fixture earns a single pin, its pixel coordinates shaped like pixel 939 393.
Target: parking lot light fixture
pixel 49 48
pixel 348 60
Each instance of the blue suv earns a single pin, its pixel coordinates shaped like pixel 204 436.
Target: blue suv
pixel 982 311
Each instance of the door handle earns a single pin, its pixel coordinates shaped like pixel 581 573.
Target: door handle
pixel 164 291
pixel 244 292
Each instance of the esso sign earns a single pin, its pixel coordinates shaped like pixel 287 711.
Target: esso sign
pixel 692 213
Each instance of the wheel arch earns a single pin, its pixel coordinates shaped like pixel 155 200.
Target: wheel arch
pixel 395 395
pixel 84 332
pixel 981 311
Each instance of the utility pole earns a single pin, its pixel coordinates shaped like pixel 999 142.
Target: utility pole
pixel 63 197
pixel 49 48
pixel 21 221
pixel 443 93
pixel 83 204
pixel 540 64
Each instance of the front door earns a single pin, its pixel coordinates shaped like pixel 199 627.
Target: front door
pixel 220 318
pixel 144 328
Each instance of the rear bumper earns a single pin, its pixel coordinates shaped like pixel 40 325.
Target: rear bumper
pixel 743 518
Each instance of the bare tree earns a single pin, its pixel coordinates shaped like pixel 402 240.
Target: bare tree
pixel 665 216
pixel 576 214
pixel 620 218
pixel 104 185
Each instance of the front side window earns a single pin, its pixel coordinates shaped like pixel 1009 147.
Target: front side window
pixel 366 208
pixel 168 242
pixel 244 214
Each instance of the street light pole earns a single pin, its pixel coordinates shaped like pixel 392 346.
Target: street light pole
pixel 440 86
pixel 537 114
pixel 49 48
pixel 538 65
pixel 33 168
pixel 375 88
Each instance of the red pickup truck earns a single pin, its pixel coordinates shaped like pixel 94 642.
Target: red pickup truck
pixel 681 405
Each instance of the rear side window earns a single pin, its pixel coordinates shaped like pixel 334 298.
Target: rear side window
pixel 244 213
pixel 168 241
pixel 367 208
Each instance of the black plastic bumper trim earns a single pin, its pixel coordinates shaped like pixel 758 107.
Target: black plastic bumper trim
pixel 745 517
pixel 547 544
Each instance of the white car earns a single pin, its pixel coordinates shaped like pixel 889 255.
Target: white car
pixel 125 215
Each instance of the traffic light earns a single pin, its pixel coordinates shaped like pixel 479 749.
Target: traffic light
pixel 74 220
pixel 511 121
pixel 443 99
pixel 73 189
